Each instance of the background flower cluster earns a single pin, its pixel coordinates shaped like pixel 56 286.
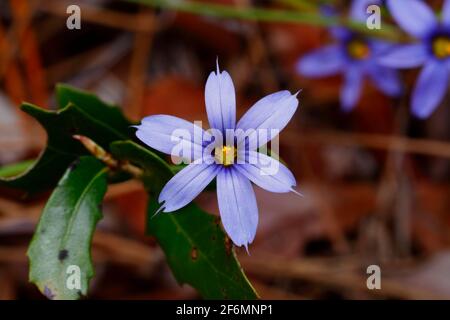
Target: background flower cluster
pixel 356 56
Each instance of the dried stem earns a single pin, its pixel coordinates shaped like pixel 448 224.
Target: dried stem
pixel 101 154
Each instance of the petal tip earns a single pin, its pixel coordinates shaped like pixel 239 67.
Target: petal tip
pixel 421 114
pixel 297 93
pixel 161 209
pixel 217 65
pixel 297 193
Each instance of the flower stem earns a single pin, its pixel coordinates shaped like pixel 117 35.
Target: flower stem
pixel 101 154
pixel 268 15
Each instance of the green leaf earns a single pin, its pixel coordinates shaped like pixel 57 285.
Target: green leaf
pixel 64 233
pixel 93 106
pixel 86 115
pixel 197 250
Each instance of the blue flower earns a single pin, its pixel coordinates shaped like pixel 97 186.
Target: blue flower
pixel 355 57
pixel 432 52
pixel 358 10
pixel 235 162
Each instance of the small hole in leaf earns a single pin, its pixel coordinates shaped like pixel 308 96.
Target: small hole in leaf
pixel 63 254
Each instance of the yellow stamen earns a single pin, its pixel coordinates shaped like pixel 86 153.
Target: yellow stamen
pixel 441 47
pixel 358 50
pixel 225 155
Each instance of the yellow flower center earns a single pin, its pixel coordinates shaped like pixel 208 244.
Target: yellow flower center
pixel 225 155
pixel 441 47
pixel 358 49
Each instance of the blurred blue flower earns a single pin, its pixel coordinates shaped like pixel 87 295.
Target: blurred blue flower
pixel 355 57
pixel 358 9
pixel 236 164
pixel 432 51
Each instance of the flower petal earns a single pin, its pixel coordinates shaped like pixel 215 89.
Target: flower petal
pixel 358 9
pixel 237 205
pixel 430 89
pixel 186 185
pixel 386 79
pixel 340 33
pixel 322 62
pixel 351 90
pixel 413 16
pixel 380 47
pixel 170 134
pixel 404 56
pixel 266 172
pixel 220 100
pixel 272 112
pixel 446 13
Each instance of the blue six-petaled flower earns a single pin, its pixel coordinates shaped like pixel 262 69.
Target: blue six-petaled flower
pixel 432 51
pixel 355 57
pixel 232 166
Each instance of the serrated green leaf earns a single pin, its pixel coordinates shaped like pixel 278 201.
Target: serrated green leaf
pixel 84 114
pixel 197 249
pixel 64 233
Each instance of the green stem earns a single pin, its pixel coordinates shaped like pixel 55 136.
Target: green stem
pixel 267 15
pixel 300 4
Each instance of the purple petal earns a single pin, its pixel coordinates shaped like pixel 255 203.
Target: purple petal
pixel 220 100
pixel 351 90
pixel 340 33
pixel 237 205
pixel 322 62
pixel 328 10
pixel 186 185
pixel 386 79
pixel 358 9
pixel 266 172
pixel 413 16
pixel 380 47
pixel 446 13
pixel 430 89
pixel 405 56
pixel 272 112
pixel 164 133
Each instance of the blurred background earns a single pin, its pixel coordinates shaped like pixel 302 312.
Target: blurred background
pixel 375 180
